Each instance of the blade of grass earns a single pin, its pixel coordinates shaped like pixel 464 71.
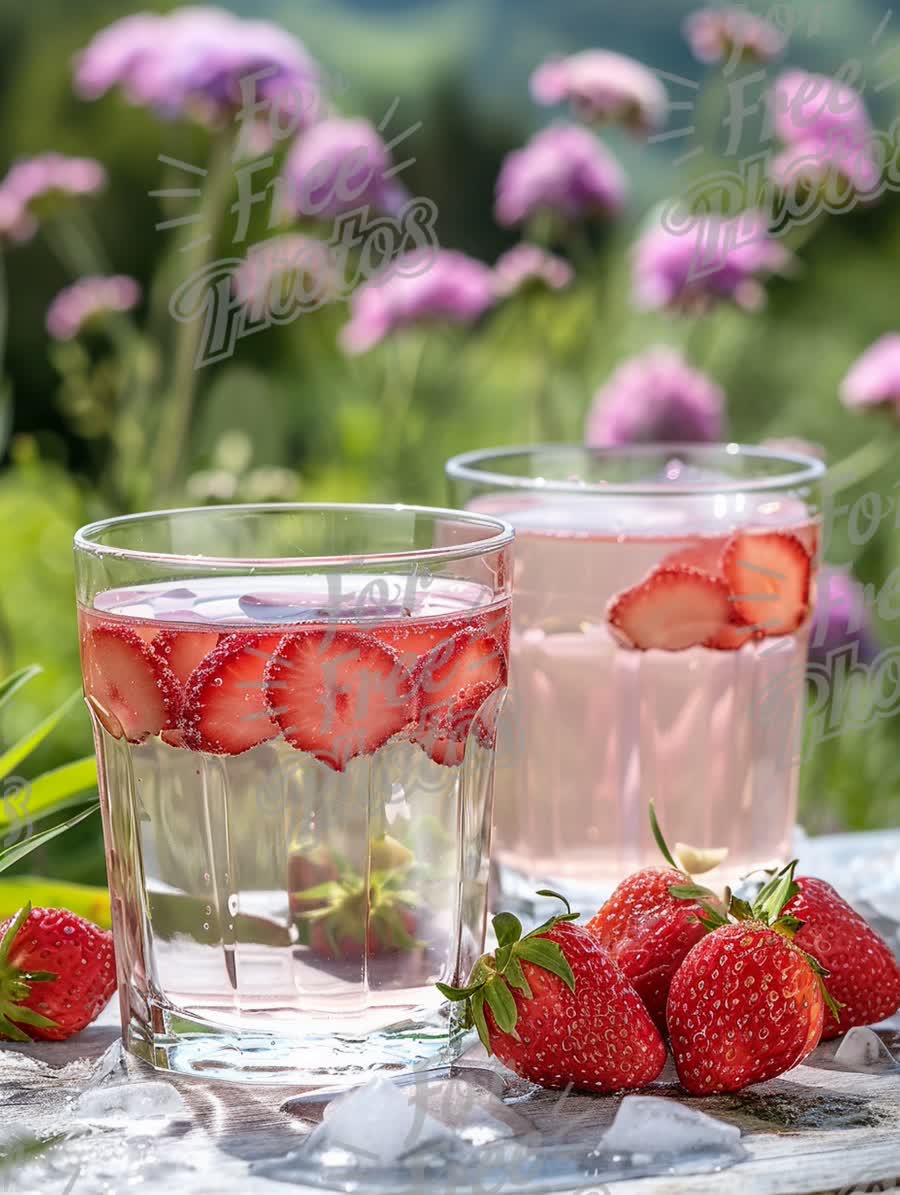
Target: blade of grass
pixel 72 784
pixel 84 899
pixel 23 748
pixel 11 684
pixel 14 853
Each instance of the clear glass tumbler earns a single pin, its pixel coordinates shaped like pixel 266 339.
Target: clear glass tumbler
pixel 663 598
pixel 294 710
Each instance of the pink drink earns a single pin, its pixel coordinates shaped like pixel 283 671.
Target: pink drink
pixel 297 809
pixel 611 705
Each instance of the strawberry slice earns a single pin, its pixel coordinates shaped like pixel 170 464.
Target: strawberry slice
pixel 769 576
pixel 733 636
pixel 183 650
pixel 703 554
pixel 672 609
pixel 338 693
pixel 443 731
pixel 131 689
pixel 449 671
pixel 224 710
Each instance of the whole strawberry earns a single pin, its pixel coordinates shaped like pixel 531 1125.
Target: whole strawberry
pixel 653 919
pixel 746 1004
pixel 57 973
pixel 648 931
pixel 864 976
pixel 555 1008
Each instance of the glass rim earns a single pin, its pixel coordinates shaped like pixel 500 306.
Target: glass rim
pixel 503 535
pixel 803 469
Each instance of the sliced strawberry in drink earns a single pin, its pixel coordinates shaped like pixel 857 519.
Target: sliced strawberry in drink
pixel 733 637
pixel 442 732
pixel 704 554
pixel 769 577
pixel 184 650
pixel 672 609
pixel 809 537
pixel 449 672
pixel 131 689
pixel 224 710
pixel 338 693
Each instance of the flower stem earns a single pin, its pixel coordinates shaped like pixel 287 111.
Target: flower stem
pixel 862 463
pixel 175 424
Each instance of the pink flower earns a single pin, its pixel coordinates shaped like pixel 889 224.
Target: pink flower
pixel 717 34
pixel 87 299
pixel 442 285
pixel 528 265
pixel 563 170
pixel 191 61
pixel 605 87
pixel 710 261
pixel 34 184
pixel 874 378
pixel 339 165
pixel 826 132
pixel 656 397
pixel 286 273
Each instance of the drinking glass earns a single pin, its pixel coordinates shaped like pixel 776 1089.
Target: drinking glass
pixel 626 683
pixel 294 710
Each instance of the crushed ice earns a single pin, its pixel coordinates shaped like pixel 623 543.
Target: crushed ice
pixel 864 1052
pixel 140 1108
pixel 648 1125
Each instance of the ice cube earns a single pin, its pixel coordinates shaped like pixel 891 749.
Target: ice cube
pixel 650 1125
pixel 376 1124
pixel 141 1108
pixel 111 1064
pixel 863 1051
pixel 475 1115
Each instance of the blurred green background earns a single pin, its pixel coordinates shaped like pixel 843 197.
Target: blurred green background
pixel 289 416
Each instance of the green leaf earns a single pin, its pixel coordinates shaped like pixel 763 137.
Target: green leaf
pixel 776 894
pixel 502 1005
pixel 72 784
pixel 689 892
pixel 11 685
pixel 515 977
pixel 86 901
pixel 740 909
pixel 507 927
pixel 23 748
pixel 660 841
pixel 25 1016
pixel 14 853
pixel 544 953
pixel 476 1008
pixel 451 993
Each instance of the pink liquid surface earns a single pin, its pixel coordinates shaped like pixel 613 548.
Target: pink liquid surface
pixel 221 966
pixel 593 730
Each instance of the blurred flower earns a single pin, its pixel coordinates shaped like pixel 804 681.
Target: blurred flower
pixel 656 397
pixel 443 285
pixel 840 618
pixel 528 265
pixel 717 34
pixel 341 164
pixel 711 260
pixel 191 61
pixel 563 170
pixel 87 299
pixel 874 378
pixel 286 274
pixel 33 185
pixel 605 87
pixel 825 129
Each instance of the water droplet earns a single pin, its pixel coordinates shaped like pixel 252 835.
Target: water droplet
pixel 217 680
pixel 206 925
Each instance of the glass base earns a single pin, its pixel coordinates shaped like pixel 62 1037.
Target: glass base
pixel 198 1047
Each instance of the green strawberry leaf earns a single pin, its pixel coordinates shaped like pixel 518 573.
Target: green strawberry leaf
pixel 451 993
pixel 515 977
pixel 544 953
pixel 775 895
pixel 476 1011
pixel 508 929
pixel 690 892
pixel 25 1016
pixel 740 909
pixel 502 1005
